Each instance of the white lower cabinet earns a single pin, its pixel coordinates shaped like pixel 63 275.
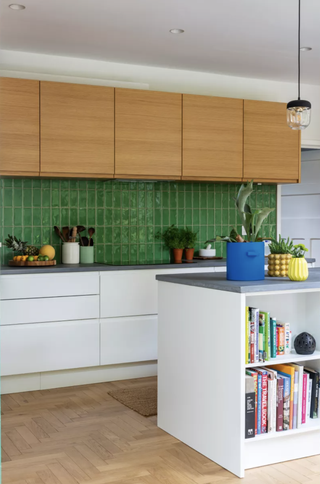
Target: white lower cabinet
pixel 30 348
pixel 128 340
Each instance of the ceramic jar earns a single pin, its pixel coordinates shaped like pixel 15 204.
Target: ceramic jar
pixel 278 265
pixel 298 269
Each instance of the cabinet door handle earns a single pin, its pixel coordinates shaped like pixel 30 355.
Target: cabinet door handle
pixel 252 254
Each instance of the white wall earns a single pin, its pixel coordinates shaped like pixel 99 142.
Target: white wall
pixel 300 205
pixel 47 67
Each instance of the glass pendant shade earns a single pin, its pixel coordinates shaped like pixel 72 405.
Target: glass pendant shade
pixel 298 114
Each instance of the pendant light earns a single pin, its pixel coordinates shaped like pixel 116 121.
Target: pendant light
pixel 299 111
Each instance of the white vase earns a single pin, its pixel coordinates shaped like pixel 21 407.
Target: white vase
pixel 70 253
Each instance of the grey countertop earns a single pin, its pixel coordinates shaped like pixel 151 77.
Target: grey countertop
pixel 6 270
pixel 219 282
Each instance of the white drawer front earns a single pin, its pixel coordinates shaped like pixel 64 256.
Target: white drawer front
pixel 127 340
pixel 49 309
pixel 132 293
pixel 35 348
pixel 24 286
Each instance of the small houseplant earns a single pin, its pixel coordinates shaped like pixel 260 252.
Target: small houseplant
pixel 174 239
pixel 245 258
pixel 298 267
pixel 280 256
pixel 190 239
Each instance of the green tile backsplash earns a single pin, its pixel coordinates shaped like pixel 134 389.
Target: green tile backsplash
pixel 126 215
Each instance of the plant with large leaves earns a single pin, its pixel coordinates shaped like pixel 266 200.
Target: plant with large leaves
pixel 250 219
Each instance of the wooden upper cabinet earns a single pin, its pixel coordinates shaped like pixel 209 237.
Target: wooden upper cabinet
pixel 19 127
pixel 271 149
pixel 147 134
pixel 212 138
pixel 77 130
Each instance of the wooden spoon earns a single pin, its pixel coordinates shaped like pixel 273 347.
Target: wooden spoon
pixel 66 232
pixel 80 228
pixel 59 234
pixel 91 231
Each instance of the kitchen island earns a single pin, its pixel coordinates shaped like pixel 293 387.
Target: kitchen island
pixel 201 364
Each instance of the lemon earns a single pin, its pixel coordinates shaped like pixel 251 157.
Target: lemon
pixel 47 250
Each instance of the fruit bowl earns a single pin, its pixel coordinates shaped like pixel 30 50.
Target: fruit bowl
pixel 36 263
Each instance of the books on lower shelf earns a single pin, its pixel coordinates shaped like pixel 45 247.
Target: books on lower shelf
pixel 280 398
pixel 265 337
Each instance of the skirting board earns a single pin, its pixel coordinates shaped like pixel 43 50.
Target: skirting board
pixel 82 376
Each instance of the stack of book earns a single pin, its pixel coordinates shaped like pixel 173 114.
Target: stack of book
pixel 280 397
pixel 265 337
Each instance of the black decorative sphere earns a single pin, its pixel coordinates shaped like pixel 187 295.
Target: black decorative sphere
pixel 305 344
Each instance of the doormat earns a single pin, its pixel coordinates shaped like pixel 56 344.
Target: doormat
pixel 142 400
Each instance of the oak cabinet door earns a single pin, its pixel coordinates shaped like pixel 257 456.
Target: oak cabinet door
pixel 77 130
pixel 212 138
pixel 271 148
pixel 147 134
pixel 19 127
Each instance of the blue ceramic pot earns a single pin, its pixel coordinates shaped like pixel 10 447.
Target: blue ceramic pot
pixel 245 261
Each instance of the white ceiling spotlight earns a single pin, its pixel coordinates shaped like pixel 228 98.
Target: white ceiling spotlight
pixel 176 31
pixel 16 6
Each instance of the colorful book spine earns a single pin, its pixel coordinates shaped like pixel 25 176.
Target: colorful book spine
pixel 279 403
pixel 314 407
pixel 273 337
pixel 252 340
pixel 259 403
pixel 281 340
pixel 254 375
pixel 267 341
pixel 304 398
pixel 287 338
pixel 250 408
pixel 255 317
pixel 264 399
pixel 288 371
pixel 309 397
pixel 247 336
pixel 261 336
pixel 277 340
pixel 299 390
pixel 295 400
pixel 286 402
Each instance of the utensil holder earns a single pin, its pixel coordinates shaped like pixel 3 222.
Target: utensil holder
pixel 87 255
pixel 70 253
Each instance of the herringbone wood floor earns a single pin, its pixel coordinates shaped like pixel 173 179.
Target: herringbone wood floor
pixel 82 435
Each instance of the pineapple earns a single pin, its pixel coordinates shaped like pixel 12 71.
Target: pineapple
pixel 31 250
pixel 15 244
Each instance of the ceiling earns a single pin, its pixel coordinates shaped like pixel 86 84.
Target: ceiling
pixel 247 38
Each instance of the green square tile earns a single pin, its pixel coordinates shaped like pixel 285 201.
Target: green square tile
pixel 8 193
pixel 210 199
pixel 141 199
pixel 165 218
pixel 157 252
pixel 17 183
pixel 125 217
pixel 46 217
pixel 83 199
pixel 116 238
pixel 36 198
pixel 55 198
pixel 55 185
pixel 125 202
pixel 165 200
pixel 181 217
pixel 142 235
pixel 225 216
pixel 225 200
pixel 116 217
pixel 65 185
pixel 218 217
pixel 27 183
pixel 116 254
pixel 100 199
pixel 150 234
pixel 125 235
pixel 17 197
pixel 74 218
pixel 142 253
pixel 17 217
pixel 211 217
pixel 91 199
pixel 91 217
pixel 125 255
pixel 99 253
pixel 45 198
pixel 36 184
pixel 27 198
pixel 150 198
pixel 27 234
pixel 157 217
pixel 203 217
pixel 46 235
pixel 210 232
pixel 91 185
pixel 181 200
pixel 133 236
pixel 83 219
pixel 149 216
pixel 108 199
pixel 36 216
pixel 73 198
pixel 133 217
pixel 141 217
pixel 173 200
pixel 36 236
pixel 188 218
pixel 27 216
pixel 8 182
pixel 108 218
pixel 203 233
pixel 133 253
pixel 65 217
pixel 74 184
pixel 195 199
pixel 196 217
pixel 150 252
pixel 203 199
pixel 45 184
pixel 18 232
pixel 217 200
pixel 133 199
pixel 100 216
pixel 56 217
pixel 173 217
pixel 108 254
pixel 116 199
pixel 108 235
pixel 65 198
pixel 99 235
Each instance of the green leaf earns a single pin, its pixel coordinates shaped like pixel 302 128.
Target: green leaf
pixel 260 218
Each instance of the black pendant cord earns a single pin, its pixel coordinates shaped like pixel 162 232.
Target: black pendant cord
pixel 299 52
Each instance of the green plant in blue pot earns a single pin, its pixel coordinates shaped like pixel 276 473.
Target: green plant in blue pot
pixel 245 257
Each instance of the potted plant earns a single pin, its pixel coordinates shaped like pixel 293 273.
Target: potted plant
pixel 174 239
pixel 245 258
pixel 298 267
pixel 280 256
pixel 190 239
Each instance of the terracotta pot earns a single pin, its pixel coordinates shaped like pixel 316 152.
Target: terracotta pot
pixel 189 254
pixel 177 254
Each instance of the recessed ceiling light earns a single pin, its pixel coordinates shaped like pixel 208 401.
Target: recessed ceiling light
pixel 305 49
pixel 15 6
pixel 176 31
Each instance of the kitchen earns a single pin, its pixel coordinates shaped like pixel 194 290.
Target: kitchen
pixel 127 149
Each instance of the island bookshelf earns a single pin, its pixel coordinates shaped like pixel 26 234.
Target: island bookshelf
pixel 201 371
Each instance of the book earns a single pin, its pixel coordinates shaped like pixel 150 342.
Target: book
pixel 273 337
pixel 281 339
pixel 304 398
pixel 259 396
pixel 255 317
pixel 261 336
pixel 247 359
pixel 286 399
pixel 295 400
pixel 254 375
pixel 266 334
pixel 299 369
pixel 277 340
pixel 250 408
pixel 309 396
pixel 272 400
pixel 289 371
pixel 252 327
pixel 314 376
pixel 287 338
pixel 279 426
pixel 264 398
